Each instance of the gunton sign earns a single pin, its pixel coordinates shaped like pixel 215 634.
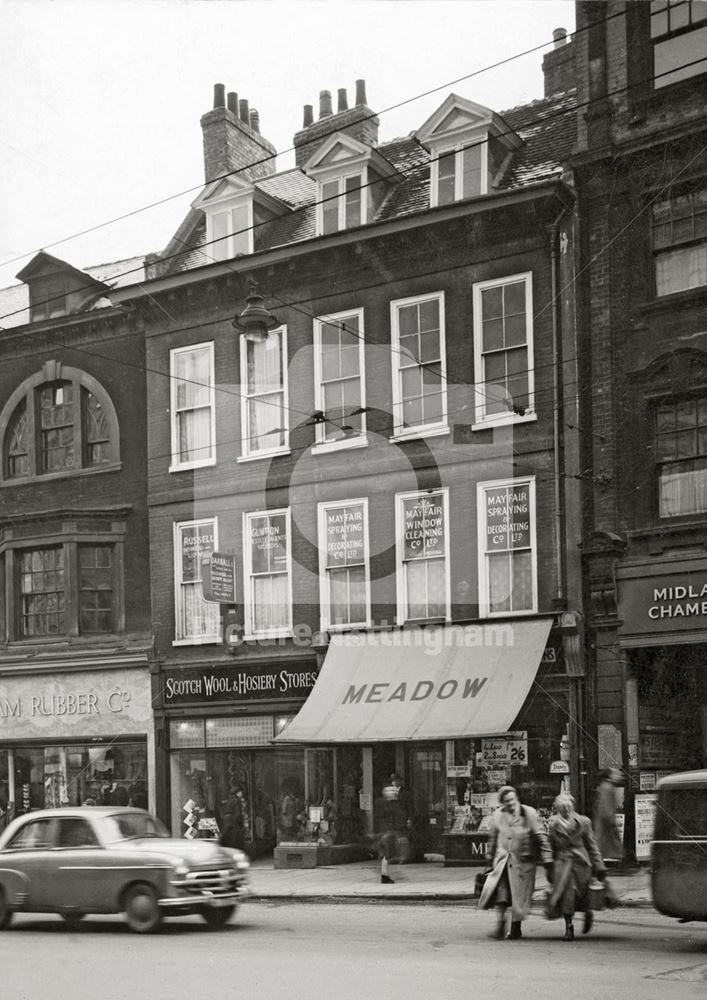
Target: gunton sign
pixel 205 685
pixel 669 602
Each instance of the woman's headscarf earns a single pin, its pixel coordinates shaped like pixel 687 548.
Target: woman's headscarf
pixel 564 810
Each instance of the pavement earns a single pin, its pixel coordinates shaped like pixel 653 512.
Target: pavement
pixel 427 881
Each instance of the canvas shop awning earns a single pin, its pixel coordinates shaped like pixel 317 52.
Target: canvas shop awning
pixel 421 684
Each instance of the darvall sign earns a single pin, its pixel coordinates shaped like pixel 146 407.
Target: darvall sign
pixel 667 603
pixel 204 685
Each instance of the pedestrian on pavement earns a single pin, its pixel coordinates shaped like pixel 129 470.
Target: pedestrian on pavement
pixel 576 859
pixel 606 803
pixel 395 819
pixel 517 843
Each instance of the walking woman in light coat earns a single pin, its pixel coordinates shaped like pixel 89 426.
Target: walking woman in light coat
pixel 576 859
pixel 517 843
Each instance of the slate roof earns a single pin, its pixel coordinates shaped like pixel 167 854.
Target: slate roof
pixel 14 300
pixel 547 128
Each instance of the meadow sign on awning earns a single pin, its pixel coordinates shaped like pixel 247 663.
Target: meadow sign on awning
pixel 421 684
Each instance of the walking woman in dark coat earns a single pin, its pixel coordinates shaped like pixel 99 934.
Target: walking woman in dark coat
pixel 576 858
pixel 517 843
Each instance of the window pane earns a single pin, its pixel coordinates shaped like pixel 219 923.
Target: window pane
pixel 56 426
pixel 17 443
pixel 330 207
pixel 353 201
pixel 95 589
pixel 471 158
pixel 96 435
pixel 445 178
pixel 42 592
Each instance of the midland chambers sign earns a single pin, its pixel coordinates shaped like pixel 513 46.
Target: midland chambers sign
pixel 674 601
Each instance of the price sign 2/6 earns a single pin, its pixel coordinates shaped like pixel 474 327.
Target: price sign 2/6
pixel 509 749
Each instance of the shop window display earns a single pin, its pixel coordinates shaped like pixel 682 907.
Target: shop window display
pixel 255 799
pixel 69 775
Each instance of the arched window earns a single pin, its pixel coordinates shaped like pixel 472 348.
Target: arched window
pixel 59 421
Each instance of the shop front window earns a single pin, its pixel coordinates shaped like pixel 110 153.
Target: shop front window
pixel 75 774
pixel 254 797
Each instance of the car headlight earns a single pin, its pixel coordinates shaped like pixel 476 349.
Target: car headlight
pixel 181 869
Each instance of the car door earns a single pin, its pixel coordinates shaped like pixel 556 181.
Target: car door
pixel 29 855
pixel 81 869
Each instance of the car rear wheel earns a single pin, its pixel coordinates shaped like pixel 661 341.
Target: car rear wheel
pixel 5 911
pixel 142 911
pixel 74 918
pixel 218 917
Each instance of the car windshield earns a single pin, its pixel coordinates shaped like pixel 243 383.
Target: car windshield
pixel 129 826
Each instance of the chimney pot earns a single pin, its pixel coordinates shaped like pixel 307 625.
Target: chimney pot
pixel 244 112
pixel 255 120
pixel 219 95
pixel 560 37
pixel 308 116
pixel 233 102
pixel 324 103
pixel 343 102
pixel 361 92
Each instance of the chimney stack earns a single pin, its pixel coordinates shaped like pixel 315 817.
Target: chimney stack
pixel 359 122
pixel 558 64
pixel 232 140
pixel 325 109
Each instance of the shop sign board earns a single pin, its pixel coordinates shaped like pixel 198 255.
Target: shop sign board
pixel 645 808
pixel 75 703
pixel 209 684
pixel 218 578
pixel 344 528
pixel 424 526
pixel 651 604
pixel 511 748
pixel 559 767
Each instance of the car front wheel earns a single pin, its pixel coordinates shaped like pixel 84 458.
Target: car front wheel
pixel 5 911
pixel 218 917
pixel 141 909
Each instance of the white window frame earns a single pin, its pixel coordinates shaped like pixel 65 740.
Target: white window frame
pixel 250 631
pixel 441 426
pixel 176 464
pixel 358 440
pixel 248 452
pixel 484 576
pixel 207 638
pixel 481 418
pixel 362 173
pixel 401 562
pixel 324 588
pixel 239 239
pixel 458 149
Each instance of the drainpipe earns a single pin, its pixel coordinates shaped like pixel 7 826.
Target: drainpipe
pixel 560 594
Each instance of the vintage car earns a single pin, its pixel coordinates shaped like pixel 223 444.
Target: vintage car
pixel 103 859
pixel 679 846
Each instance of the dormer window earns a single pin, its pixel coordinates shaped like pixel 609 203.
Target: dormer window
pixel 469 147
pixel 341 203
pixel 57 289
pixel 352 180
pixel 234 209
pixel 459 173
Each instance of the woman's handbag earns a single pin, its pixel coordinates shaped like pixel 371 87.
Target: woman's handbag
pixel 601 896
